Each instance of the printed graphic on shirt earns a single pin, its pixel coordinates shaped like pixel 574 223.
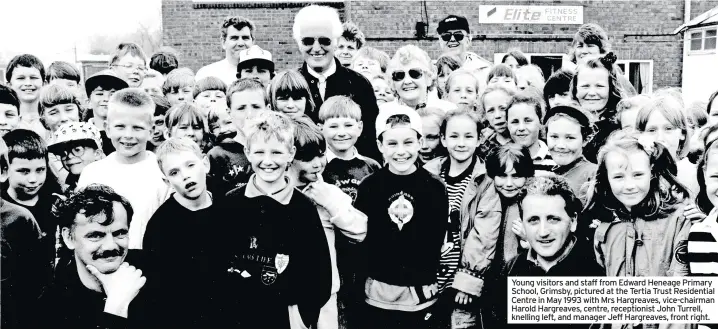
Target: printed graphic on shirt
pixel 255 264
pixel 252 242
pixel 280 262
pixel 348 186
pixel 269 275
pixel 681 252
pixel 401 209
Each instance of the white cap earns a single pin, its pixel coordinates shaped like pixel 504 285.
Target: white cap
pixel 253 54
pixel 387 110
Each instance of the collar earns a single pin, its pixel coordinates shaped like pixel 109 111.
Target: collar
pixel 282 196
pixel 332 69
pixel 542 152
pixel 564 169
pixel 531 257
pixel 331 156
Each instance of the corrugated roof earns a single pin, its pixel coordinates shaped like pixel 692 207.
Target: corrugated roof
pixel 708 18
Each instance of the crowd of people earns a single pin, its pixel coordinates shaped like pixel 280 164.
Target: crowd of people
pixel 360 190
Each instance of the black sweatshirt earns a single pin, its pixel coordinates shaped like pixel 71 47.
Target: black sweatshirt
pixel 228 167
pixel 347 174
pixel 277 256
pixel 408 256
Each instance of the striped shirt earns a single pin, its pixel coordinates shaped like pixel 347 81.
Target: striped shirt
pixel 703 246
pixel 543 163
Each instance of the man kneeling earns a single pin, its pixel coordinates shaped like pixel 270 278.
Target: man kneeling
pixel 94 289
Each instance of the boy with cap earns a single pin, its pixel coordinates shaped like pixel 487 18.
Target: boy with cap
pixel 407 210
pixel 99 88
pixel 77 144
pixel 255 63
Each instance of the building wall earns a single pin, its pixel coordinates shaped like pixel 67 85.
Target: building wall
pixel 639 30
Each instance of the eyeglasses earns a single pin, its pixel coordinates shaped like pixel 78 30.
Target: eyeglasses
pixel 323 41
pixel 130 67
pixel 400 75
pixel 77 151
pixel 458 36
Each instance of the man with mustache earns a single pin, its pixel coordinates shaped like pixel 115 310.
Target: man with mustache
pixel 237 35
pixel 97 286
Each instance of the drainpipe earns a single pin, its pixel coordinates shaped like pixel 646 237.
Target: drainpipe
pixel 687 14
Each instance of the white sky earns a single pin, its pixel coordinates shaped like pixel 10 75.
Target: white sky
pixel 50 29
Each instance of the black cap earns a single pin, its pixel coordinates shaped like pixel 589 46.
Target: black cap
pixel 107 79
pixel 571 111
pixel 453 22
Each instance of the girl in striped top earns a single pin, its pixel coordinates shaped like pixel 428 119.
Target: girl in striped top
pixel 703 238
pixel 524 114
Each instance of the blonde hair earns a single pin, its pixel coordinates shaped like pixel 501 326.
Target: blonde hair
pixel 317 14
pixel 136 98
pixel 457 73
pixel 339 107
pixel 175 145
pixel 533 75
pixel 185 111
pixel 408 53
pixel 267 125
pixel 672 109
pixel 434 115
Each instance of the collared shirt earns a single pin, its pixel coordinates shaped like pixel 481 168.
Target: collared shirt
pixel 355 155
pixel 322 77
pixel 532 256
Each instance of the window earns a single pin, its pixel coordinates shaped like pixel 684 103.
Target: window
pixel 702 41
pixel 639 73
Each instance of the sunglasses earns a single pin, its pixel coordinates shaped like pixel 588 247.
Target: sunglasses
pixel 400 75
pixel 458 36
pixel 323 41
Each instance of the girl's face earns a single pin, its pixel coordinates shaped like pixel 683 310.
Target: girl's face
pixel 713 113
pixel 463 90
pixel 413 86
pixel 366 66
pixel 659 129
pixel 208 98
pixel 185 128
pixel 461 139
pixel 382 91
pixel 509 184
pixel 223 126
pixel 292 106
pixel 511 62
pixel 508 82
pixel 58 115
pixel 584 52
pixel 441 78
pixel 495 104
pixel 628 118
pixel 562 99
pixel 629 176
pixel 564 140
pixel 711 176
pixel 430 142
pixel 592 89
pixel 524 124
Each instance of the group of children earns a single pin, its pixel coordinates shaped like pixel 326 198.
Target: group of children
pixel 252 206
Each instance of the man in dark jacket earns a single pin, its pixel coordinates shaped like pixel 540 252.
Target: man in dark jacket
pixel 95 288
pixel 317 30
pixel 549 210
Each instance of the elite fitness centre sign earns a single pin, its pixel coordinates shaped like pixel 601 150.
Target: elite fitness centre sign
pixel 531 14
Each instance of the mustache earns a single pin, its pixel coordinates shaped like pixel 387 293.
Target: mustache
pixel 109 253
pixel 226 135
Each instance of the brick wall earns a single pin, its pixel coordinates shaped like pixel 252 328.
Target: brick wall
pixel 195 33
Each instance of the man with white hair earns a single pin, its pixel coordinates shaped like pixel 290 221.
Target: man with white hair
pixel 317 30
pixel 237 35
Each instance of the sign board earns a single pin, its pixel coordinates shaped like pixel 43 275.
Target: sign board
pixel 530 14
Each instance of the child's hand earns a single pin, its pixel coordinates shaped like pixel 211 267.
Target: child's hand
pixel 693 213
pixel 518 228
pixel 321 195
pixel 463 298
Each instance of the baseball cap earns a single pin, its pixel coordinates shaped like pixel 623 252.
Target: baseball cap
pixel 571 111
pixel 255 56
pixel 453 22
pixel 74 131
pixel 107 79
pixel 387 110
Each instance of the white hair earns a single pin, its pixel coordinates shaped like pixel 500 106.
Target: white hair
pixel 317 15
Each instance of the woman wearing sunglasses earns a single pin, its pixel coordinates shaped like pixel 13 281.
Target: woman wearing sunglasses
pixel 412 76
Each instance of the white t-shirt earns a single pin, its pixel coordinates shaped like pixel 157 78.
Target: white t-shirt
pixel 140 183
pixel 222 70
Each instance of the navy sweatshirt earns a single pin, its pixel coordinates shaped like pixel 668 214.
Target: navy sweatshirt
pixel 407 221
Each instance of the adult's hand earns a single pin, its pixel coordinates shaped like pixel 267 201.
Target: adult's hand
pixel 121 287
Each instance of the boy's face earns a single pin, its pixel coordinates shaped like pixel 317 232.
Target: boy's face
pixel 224 125
pixel 9 118
pixel 186 128
pixel 345 51
pixel 243 104
pixel 310 171
pixel 26 81
pixel 367 67
pixel 132 69
pixel 187 173
pixel 102 246
pixel 400 147
pixel 153 86
pixel 382 91
pixel 180 95
pixel 257 73
pixel 209 98
pixel 158 129
pixel 507 82
pixel 76 157
pixel 269 158
pixel 26 177
pixel 129 130
pixel 71 84
pixel 98 102
pixel 341 133
pixel 60 114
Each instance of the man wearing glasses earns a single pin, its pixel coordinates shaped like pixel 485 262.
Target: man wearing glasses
pixel 455 40
pixel 237 36
pixel 130 64
pixel 317 30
